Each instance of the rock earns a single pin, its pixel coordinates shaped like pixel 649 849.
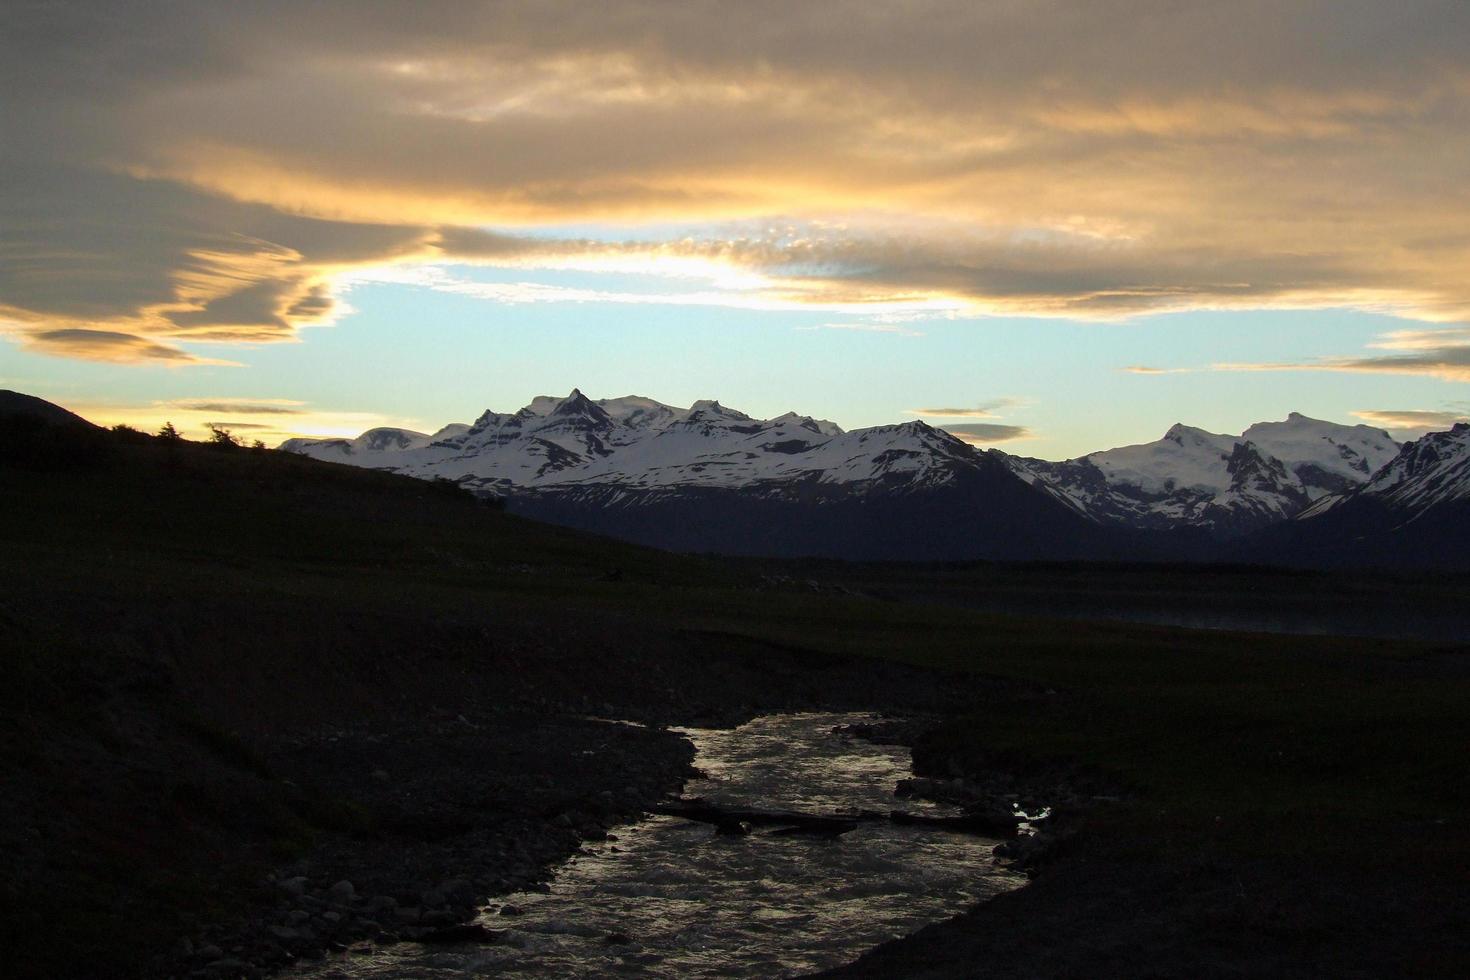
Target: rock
pixel 617 939
pixel 457 888
pixel 343 892
pixel 293 886
pixel 433 898
pixel 381 775
pixel 209 953
pixel 511 910
pixel 406 913
pixel 470 932
pixel 284 933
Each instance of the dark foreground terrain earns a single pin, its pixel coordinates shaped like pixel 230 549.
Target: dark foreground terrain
pixel 236 680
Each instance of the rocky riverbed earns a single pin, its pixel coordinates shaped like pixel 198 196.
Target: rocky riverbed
pixel 448 814
pixel 785 860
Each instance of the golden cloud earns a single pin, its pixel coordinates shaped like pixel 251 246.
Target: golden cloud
pixel 1443 354
pixel 981 433
pixel 214 173
pixel 985 410
pixel 1412 420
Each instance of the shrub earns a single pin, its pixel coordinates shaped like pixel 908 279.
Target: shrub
pixel 222 438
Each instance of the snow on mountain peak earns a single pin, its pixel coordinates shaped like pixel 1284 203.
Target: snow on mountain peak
pixel 639 442
pixel 1189 476
pixel 1428 471
pixel 1325 455
pixel 1229 483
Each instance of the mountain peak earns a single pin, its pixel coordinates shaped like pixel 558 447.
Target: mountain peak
pixel 1178 431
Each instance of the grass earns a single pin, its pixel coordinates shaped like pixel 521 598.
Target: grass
pixel 1212 721
pixel 1253 745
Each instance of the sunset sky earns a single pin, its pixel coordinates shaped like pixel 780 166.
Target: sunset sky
pixel 1063 224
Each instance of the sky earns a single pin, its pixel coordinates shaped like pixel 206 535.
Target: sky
pixel 1052 227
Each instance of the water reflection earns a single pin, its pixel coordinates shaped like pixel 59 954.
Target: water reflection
pixel 671 898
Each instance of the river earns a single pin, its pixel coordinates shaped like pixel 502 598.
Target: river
pixel 669 897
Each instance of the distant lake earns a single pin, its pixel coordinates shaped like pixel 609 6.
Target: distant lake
pixel 1386 621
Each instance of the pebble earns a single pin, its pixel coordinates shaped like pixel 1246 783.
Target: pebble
pixel 293 886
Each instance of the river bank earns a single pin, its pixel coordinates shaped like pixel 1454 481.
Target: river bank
pixel 209 658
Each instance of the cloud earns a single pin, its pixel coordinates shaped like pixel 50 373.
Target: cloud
pixel 104 267
pixel 1443 354
pixel 985 410
pixel 109 345
pixel 1145 369
pixel 897 329
pixel 980 433
pixel 208 172
pixel 237 406
pixel 1413 421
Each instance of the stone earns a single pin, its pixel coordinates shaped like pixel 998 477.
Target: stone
pixel 471 932
pixel 293 886
pixel 433 898
pixel 342 892
pixel 226 963
pixel 457 888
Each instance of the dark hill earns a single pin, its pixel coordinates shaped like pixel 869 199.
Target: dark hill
pixel 15 404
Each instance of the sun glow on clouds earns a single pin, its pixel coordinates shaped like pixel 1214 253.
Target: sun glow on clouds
pixel 722 285
pixel 1412 423
pixel 222 173
pixel 271 420
pixel 1442 353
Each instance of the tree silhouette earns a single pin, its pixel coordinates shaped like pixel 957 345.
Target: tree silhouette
pixel 169 434
pixel 222 438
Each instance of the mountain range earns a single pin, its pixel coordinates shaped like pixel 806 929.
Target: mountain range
pixel 710 478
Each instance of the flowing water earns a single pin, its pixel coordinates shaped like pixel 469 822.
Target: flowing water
pixel 691 903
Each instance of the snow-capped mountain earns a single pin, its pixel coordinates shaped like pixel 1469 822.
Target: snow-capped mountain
pixel 1428 472
pixel 638 443
pixel 655 472
pixel 710 478
pixel 1223 483
pixel 1414 511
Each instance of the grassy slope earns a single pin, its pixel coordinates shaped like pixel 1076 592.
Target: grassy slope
pixel 1301 747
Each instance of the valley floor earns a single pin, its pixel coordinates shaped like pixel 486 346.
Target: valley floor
pixel 234 680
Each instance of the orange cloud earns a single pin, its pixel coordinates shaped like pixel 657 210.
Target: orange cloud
pixel 213 174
